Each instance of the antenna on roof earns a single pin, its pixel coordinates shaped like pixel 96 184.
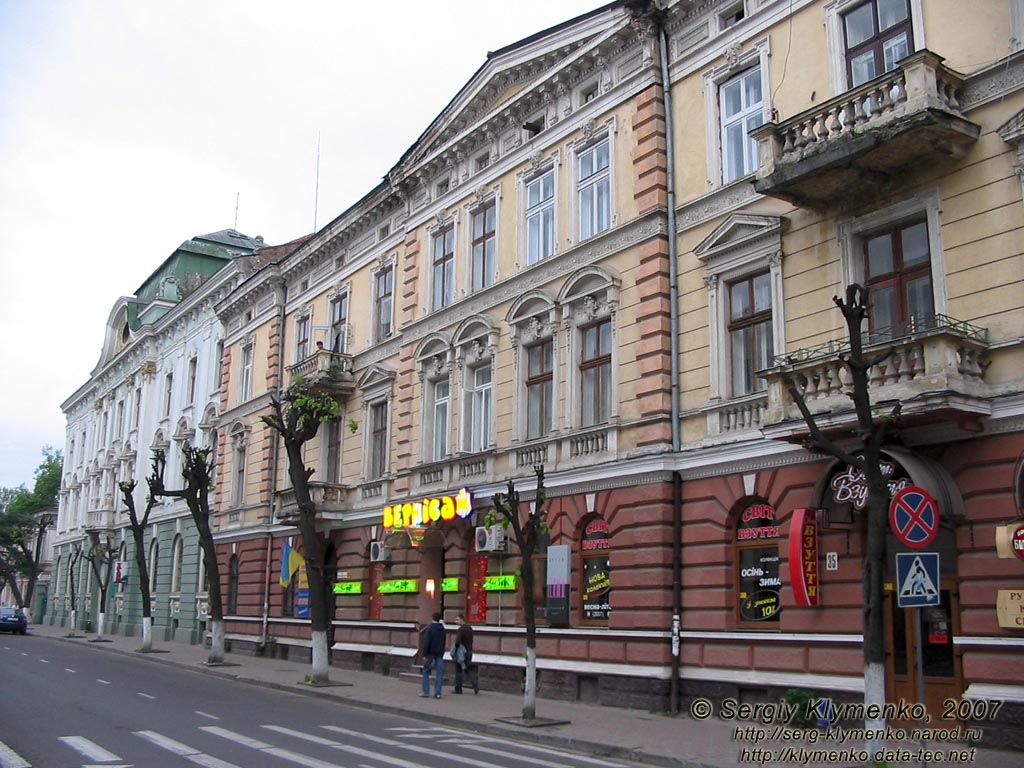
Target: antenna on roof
pixel 237 195
pixel 316 184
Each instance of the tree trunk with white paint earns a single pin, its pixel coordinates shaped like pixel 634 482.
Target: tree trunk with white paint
pixel 530 690
pixel 216 655
pixel 320 657
pixel 100 619
pixel 147 633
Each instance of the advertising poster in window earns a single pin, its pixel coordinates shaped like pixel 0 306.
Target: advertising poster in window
pixel 302 595
pixel 558 585
pixel 597 582
pixel 758 556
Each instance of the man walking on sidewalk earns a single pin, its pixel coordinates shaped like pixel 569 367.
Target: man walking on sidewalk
pixel 432 652
pixel 462 652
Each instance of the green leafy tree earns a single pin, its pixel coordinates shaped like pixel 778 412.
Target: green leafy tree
pixel 26 517
pixel 296 416
pixel 528 532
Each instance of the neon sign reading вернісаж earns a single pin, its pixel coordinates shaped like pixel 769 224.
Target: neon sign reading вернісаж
pixel 415 513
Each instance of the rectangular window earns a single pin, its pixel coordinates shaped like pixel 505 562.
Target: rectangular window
pixel 302 338
pixel 477 409
pixel 120 419
pixel 218 364
pixel 539 389
pixel 439 423
pixel 877 35
pixel 384 288
pixel 238 492
pixel 899 274
pixel 750 332
pixel 540 217
pixel 333 468
pixel 246 379
pixel 193 365
pixel 137 415
pixel 594 190
pixel 168 394
pixel 484 246
pixel 596 373
pixel 339 324
pixel 378 439
pixel 741 110
pixel 444 268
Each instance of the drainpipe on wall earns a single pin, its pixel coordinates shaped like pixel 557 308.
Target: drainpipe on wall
pixel 673 281
pixel 274 459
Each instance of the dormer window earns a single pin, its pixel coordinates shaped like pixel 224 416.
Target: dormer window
pixel 442 187
pixel 731 17
pixel 481 162
pixel 534 126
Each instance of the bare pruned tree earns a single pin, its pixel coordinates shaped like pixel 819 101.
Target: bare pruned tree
pixel 138 527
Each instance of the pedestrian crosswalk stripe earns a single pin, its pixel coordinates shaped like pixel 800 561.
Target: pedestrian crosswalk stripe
pixel 268 749
pixel 11 759
pixel 89 749
pixel 396 761
pixel 184 750
pixel 449 756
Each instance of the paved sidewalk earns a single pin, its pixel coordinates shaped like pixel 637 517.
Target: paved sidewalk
pixel 629 735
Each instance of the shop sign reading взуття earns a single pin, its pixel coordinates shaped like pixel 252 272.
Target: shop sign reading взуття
pixel 417 513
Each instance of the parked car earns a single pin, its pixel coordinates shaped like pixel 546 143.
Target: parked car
pixel 13 620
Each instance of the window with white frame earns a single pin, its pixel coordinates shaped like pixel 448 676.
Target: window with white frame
pixel 594 192
pixel 383 292
pixel 177 554
pixel 245 392
pixel 339 323
pixel 443 267
pixel 378 451
pixel 440 407
pixel 736 100
pixel 302 349
pixel 540 217
pixel 741 108
pixel 193 366
pixel 168 398
pixel 477 407
pixel 534 321
pixel 897 252
pixel 743 260
pixel 484 268
pixel 154 565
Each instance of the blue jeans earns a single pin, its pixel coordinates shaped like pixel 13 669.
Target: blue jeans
pixel 437 663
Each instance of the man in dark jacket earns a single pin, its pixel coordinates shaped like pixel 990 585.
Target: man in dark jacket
pixel 463 654
pixel 432 651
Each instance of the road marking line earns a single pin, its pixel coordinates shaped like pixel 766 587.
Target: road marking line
pixel 268 749
pixel 204 714
pixel 89 749
pixel 417 747
pixel 374 755
pixel 184 750
pixel 44 661
pixel 72 671
pixel 145 695
pixel 11 759
pixel 105 682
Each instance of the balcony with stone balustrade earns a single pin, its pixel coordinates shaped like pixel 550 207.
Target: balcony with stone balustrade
pixel 326 371
pixel 935 370
pixel 329 498
pixel 847 151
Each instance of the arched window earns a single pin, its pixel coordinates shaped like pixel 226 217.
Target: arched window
pixel 758 601
pixel 176 562
pixel 202 577
pixel 233 584
pixel 595 568
pixel 154 562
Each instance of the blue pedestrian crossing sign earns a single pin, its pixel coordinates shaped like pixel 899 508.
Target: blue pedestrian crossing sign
pixel 917 579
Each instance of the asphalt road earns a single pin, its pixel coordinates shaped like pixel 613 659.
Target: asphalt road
pixel 65 707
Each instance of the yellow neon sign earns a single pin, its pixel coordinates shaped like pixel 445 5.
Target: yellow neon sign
pixel 416 513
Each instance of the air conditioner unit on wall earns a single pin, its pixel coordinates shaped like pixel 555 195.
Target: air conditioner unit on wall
pixel 490 539
pixel 379 553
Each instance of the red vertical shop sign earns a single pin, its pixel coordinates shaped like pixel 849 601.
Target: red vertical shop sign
pixel 803 556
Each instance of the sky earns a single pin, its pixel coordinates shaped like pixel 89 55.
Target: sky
pixel 129 126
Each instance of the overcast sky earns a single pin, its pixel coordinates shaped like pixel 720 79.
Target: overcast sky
pixel 128 126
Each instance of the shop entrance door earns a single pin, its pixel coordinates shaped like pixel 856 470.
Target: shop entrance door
pixel 933 627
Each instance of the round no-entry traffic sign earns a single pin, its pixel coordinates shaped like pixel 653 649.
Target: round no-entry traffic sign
pixel 914 516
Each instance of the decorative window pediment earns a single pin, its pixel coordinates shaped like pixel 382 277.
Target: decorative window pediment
pixel 741 237
pixel 374 378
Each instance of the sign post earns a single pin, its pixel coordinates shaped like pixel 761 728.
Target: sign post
pixel 917 584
